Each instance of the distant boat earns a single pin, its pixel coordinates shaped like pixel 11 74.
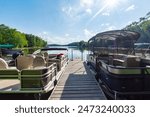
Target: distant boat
pixel 6 49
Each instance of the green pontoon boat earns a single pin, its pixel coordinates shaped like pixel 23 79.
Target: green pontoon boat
pixel 34 74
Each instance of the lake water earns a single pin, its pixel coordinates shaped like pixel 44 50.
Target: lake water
pixel 75 53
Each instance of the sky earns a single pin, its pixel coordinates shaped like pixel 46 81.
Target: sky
pixel 66 21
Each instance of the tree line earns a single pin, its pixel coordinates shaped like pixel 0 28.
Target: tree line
pixel 143 27
pixel 18 39
pixel 81 45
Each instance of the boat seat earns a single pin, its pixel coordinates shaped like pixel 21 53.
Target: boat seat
pixel 118 62
pixel 131 61
pixel 57 61
pixel 3 64
pixel 60 61
pixel 12 63
pixel 24 62
pixel 31 55
pixel 8 72
pixel 39 61
pixel 40 54
pixel 36 78
pixel 46 55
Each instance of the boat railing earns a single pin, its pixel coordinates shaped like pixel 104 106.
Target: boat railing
pixel 37 78
pixel 125 70
pixel 9 74
pixel 59 61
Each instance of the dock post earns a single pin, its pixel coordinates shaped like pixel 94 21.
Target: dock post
pixel 82 56
pixel 97 70
pixel 72 54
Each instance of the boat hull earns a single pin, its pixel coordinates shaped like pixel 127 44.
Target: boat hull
pixel 126 85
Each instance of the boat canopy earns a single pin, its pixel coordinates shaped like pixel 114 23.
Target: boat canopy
pixel 116 35
pixel 46 49
pixel 118 38
pixel 6 45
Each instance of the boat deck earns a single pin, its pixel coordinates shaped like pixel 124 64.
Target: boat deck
pixel 77 83
pixel 9 85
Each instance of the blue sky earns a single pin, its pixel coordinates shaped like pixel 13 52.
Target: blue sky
pixel 65 21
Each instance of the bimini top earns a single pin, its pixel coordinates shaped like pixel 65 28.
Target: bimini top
pixel 46 49
pixel 119 36
pixel 6 45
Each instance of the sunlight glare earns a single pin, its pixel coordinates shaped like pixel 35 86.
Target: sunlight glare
pixel 111 3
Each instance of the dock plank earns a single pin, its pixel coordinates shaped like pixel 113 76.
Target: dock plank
pixel 76 92
pixel 77 83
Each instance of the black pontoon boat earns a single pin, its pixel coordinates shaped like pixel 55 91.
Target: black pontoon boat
pixel 6 49
pixel 121 73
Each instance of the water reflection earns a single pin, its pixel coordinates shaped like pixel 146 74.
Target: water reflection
pixel 77 53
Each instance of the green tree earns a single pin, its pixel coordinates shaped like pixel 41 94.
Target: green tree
pixel 12 36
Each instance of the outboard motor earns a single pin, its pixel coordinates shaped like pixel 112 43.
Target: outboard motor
pixel 15 55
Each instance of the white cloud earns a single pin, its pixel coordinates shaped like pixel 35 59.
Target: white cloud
pixel 44 32
pixel 105 24
pixel 89 11
pixel 107 27
pixel 129 22
pixel 86 3
pixel 79 9
pixel 68 10
pixel 54 39
pixel 72 12
pixel 111 28
pixel 44 35
pixel 67 35
pixel 106 14
pixel 63 39
pixel 130 8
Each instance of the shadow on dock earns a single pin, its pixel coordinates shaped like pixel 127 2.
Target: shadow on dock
pixel 77 83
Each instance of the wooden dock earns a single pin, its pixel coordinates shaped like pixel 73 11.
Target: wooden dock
pixel 77 83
